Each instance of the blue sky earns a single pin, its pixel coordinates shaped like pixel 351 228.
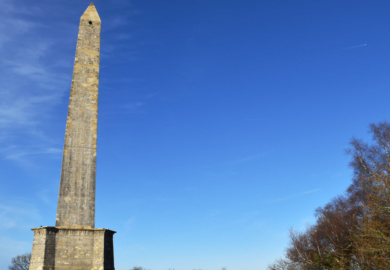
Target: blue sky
pixel 222 124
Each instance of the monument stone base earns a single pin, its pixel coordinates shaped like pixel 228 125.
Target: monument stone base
pixel 57 248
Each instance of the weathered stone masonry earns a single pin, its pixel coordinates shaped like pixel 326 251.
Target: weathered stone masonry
pixel 74 243
pixel 59 248
pixel 76 200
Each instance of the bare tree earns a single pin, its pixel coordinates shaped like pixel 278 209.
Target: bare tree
pixel 137 268
pixel 329 244
pixel 21 262
pixel 284 264
pixel 352 231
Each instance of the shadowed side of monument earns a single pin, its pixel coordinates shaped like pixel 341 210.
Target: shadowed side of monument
pixel 74 243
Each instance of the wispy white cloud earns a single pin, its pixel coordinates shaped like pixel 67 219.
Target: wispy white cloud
pixel 45 195
pixel 294 196
pixel 247 158
pixel 18 155
pixel 305 222
pixel 128 224
pixel 136 106
pixel 18 215
pixel 25 155
pixel 9 6
pixel 132 107
pixel 115 22
pixel 251 220
pixel 24 110
pixel 10 247
pixel 215 213
pixel 31 84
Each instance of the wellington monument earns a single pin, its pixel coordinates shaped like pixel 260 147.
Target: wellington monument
pixel 74 243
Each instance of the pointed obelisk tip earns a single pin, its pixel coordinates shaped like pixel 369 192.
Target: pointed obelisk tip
pixel 91 13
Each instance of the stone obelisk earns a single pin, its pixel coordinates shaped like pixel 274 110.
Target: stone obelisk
pixel 76 200
pixel 74 243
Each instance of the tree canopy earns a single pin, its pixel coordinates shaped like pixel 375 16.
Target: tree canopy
pixel 20 262
pixel 352 231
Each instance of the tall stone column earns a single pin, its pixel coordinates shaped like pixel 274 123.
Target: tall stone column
pixel 74 243
pixel 76 200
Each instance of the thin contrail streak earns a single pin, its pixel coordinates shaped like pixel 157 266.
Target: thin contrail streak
pixel 357 46
pixel 295 195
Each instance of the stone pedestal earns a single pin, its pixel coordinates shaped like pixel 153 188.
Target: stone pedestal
pixel 72 248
